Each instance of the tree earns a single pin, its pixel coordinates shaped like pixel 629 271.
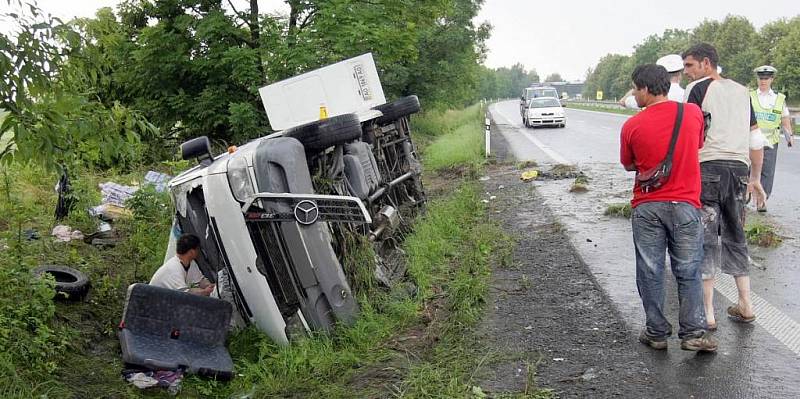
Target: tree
pixel 605 77
pixel 787 62
pixel 554 77
pixel 53 111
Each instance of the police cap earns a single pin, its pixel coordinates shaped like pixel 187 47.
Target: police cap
pixel 765 70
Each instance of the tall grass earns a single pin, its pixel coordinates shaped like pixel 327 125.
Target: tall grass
pixel 456 137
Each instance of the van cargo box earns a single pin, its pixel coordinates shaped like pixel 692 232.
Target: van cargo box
pixel 349 86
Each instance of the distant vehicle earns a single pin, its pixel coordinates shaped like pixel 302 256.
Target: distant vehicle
pixel 544 111
pixel 534 92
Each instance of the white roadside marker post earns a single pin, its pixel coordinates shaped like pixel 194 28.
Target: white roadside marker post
pixel 488 126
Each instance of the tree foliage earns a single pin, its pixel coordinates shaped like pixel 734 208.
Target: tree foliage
pixel 505 82
pixel 554 77
pixel 131 82
pixel 51 103
pixel 740 46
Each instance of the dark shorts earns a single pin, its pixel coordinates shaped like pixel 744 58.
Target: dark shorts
pixel 723 212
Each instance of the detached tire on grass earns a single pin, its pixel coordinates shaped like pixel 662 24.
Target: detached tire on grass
pixel 71 284
pixel 397 109
pixel 319 135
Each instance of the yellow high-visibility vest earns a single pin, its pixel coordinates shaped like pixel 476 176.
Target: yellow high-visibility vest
pixel 769 120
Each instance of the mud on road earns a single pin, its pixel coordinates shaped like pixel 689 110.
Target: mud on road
pixel 548 322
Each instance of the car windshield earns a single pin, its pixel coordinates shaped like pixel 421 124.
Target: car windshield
pixel 544 103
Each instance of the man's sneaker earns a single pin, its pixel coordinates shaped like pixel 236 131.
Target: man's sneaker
pixel 704 343
pixel 654 343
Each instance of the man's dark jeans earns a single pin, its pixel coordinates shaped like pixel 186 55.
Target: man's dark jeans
pixel 673 226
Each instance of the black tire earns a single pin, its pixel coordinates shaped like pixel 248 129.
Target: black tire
pixel 71 284
pixel 319 135
pixel 398 109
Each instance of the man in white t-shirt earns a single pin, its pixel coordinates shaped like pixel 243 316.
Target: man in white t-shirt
pixel 673 63
pixel 772 114
pixel 730 168
pixel 181 271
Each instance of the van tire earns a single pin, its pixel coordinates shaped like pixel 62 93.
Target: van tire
pixel 397 109
pixel 71 284
pixel 319 135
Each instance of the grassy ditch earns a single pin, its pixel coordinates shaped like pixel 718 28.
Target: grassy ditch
pixel 71 350
pixel 452 139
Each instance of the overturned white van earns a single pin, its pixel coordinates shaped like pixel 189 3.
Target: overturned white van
pixel 269 213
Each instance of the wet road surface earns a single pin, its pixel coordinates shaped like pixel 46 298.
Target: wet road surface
pixel 759 360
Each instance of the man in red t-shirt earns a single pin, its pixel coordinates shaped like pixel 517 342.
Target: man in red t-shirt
pixel 666 218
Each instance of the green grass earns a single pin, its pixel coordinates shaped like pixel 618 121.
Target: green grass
pixel 623 111
pixel 759 233
pixel 71 349
pixel 452 138
pixel 622 210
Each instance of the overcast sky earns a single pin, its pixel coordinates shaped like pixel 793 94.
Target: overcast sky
pixel 564 36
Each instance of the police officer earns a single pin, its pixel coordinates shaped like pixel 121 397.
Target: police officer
pixel 673 63
pixel 772 114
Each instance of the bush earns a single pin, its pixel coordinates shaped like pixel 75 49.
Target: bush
pixel 32 346
pixel 148 231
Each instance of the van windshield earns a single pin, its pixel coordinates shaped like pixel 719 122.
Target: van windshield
pixel 545 93
pixel 544 103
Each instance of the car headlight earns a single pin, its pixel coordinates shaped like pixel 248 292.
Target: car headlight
pixel 239 179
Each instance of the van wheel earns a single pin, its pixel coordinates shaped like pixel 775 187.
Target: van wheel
pixel 397 109
pixel 70 283
pixel 319 135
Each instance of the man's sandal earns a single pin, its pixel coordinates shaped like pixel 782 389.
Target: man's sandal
pixel 736 315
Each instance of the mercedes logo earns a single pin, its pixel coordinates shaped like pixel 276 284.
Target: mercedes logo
pixel 306 212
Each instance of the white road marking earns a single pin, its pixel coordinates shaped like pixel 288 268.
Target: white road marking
pixel 777 323
pixel 542 146
pixel 546 149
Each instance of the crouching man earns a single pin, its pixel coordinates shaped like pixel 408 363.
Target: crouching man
pixel 181 271
pixel 666 216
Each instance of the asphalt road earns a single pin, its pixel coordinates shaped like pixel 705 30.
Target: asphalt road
pixel 759 360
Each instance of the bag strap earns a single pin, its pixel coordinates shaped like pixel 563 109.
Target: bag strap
pixel 675 131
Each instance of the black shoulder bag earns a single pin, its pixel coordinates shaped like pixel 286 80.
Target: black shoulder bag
pixel 653 179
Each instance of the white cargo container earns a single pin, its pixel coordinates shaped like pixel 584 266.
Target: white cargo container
pixel 349 86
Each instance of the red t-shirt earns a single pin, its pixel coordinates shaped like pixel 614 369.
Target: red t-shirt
pixel 645 140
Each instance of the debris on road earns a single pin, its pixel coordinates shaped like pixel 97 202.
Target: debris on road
pixel 581 184
pixel 622 210
pixel 529 175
